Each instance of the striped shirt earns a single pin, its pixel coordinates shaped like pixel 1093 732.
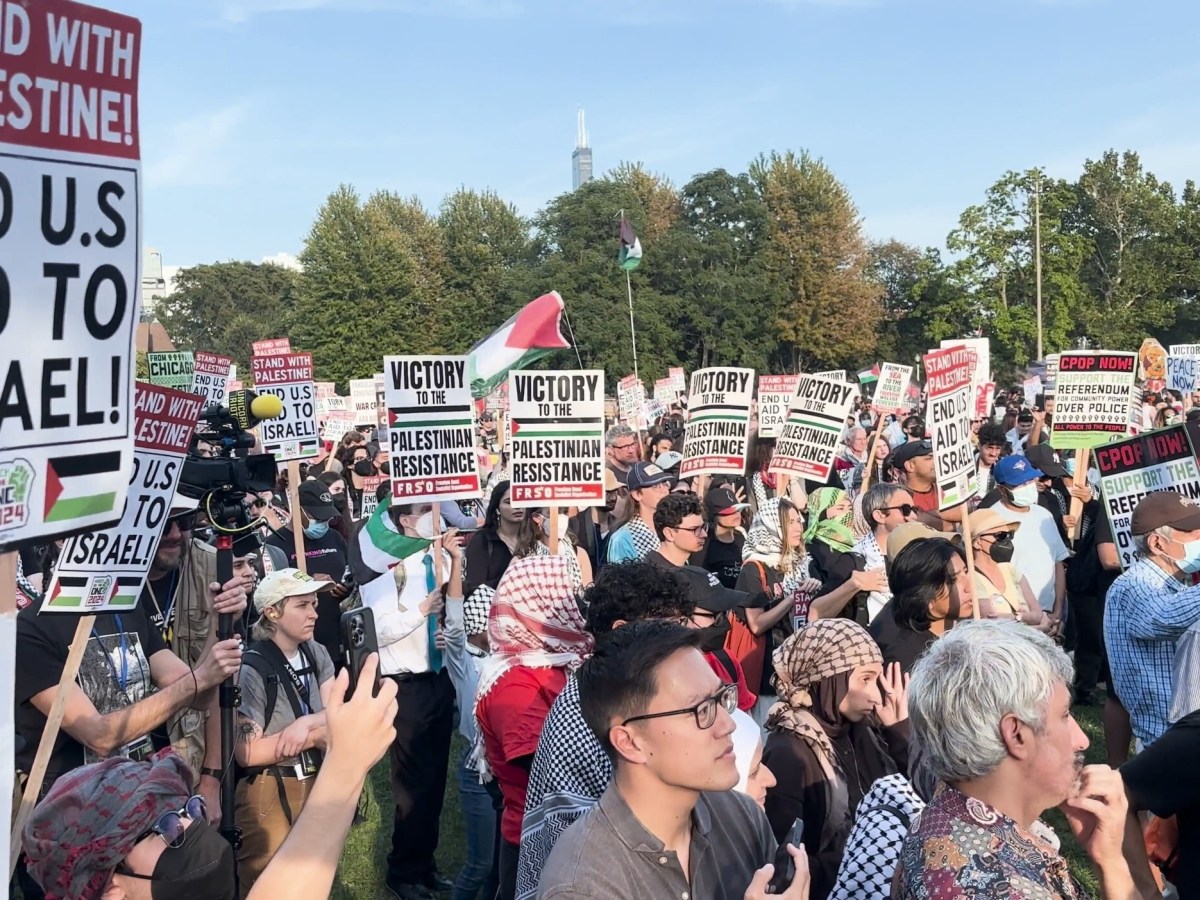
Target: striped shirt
pixel 1146 612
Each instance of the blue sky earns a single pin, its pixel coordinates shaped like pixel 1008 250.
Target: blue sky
pixel 254 110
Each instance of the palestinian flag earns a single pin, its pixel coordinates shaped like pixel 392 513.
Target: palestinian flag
pixel 868 376
pixel 378 546
pixel 631 248
pixel 81 593
pixel 71 489
pixel 525 338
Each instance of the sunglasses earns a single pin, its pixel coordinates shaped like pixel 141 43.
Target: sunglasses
pixel 186 521
pixel 170 826
pixel 906 509
pixel 1000 535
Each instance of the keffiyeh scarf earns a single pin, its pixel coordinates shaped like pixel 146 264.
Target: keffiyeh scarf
pixel 834 532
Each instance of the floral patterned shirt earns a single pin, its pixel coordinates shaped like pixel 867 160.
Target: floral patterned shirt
pixel 960 848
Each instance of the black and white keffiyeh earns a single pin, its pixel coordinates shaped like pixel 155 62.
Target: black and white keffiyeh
pixel 873 847
pixel 570 771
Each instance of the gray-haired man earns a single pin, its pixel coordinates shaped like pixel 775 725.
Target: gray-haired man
pixel 622 446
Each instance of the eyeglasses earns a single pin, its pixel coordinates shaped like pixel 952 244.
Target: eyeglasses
pixel 999 535
pixel 170 827
pixel 695 529
pixel 906 509
pixel 624 446
pixel 258 503
pixel 705 711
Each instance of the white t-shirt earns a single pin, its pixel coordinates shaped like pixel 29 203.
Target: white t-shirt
pixel 1037 549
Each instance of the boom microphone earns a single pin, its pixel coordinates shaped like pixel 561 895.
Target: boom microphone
pixel 249 408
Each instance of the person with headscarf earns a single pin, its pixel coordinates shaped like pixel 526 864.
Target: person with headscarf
pixel 537 637
pixel 754 778
pixel 830 541
pixel 840 724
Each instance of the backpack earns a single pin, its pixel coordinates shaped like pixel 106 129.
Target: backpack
pixel 265 658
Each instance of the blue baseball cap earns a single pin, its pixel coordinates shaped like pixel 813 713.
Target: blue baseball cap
pixel 1012 471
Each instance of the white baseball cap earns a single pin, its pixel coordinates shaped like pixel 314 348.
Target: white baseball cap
pixel 284 583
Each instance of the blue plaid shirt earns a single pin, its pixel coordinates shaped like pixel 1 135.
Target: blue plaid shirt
pixel 1146 612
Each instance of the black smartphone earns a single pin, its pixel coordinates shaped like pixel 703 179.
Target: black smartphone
pixel 785 866
pixel 358 642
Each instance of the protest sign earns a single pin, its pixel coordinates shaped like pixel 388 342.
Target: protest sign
pixel 983 357
pixel 381 414
pixel 1093 398
pixel 891 387
pixel 1182 372
pixel 831 374
pixel 271 347
pixel 431 429
pixel 370 496
pixel 718 422
pixel 654 410
pixel 337 425
pixel 211 378
pixel 1130 469
pixel 103 571
pixel 775 393
pixel 556 454
pixel 678 378
pixel 1030 388
pixel 664 390
pixel 70 265
pixel 951 405
pixel 1051 380
pixel 631 397
pixel 814 426
pixel 983 399
pixel 8 674
pixel 293 434
pixel 363 400
pixel 174 369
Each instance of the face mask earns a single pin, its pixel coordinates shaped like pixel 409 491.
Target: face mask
pixel 424 526
pixel 364 467
pixel 201 868
pixel 563 521
pixel 1025 495
pixel 1002 551
pixel 1190 561
pixel 316 530
pixel 385 468
pixel 1069 465
pixel 712 637
pixel 339 500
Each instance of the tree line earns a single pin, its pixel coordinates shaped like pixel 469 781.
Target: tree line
pixel 768 268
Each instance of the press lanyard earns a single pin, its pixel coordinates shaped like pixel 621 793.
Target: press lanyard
pixel 122 677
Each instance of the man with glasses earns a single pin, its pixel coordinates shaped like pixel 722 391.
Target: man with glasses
pixel 669 823
pixel 623 449
pixel 885 507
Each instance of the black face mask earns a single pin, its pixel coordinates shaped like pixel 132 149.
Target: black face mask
pixel 339 501
pixel 201 868
pixel 385 468
pixel 1002 551
pixel 364 467
pixel 712 637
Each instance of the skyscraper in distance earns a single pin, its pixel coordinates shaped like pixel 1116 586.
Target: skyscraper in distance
pixel 581 159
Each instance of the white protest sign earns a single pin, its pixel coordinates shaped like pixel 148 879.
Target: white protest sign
pixel 1160 460
pixel 631 398
pixel 1031 387
pixel 103 571
pixel 289 376
pixel 1051 374
pixel 950 408
pixel 891 387
pixel 363 400
pixel 719 402
pixel 337 426
pixel 664 390
pixel 70 265
pixel 174 369
pixel 775 393
pixel 1182 373
pixel 815 422
pixel 831 374
pixel 211 378
pixel 678 378
pixel 431 429
pixel 1094 398
pixel 556 455
pixel 370 495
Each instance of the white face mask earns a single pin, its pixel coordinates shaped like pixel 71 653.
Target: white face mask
pixel 424 526
pixel 563 523
pixel 1025 495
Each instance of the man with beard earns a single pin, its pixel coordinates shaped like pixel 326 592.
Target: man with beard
pixel 1005 757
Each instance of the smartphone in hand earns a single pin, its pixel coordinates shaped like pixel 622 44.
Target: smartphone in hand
pixel 785 866
pixel 358 642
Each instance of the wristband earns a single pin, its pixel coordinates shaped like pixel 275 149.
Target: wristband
pixel 213 773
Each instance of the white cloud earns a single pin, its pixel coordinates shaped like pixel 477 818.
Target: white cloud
pixel 195 152
pixel 284 259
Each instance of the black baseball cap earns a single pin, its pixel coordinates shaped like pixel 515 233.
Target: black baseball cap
pixel 317 502
pixel 910 450
pixel 708 593
pixel 1042 456
pixel 720 501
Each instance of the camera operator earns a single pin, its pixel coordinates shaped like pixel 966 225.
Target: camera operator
pixel 325 555
pixel 129 684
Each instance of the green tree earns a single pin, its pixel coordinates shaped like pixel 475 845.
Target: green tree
pixel 224 307
pixel 828 309
pixel 656 198
pixel 922 303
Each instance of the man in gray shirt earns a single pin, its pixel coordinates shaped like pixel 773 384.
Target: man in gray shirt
pixel 668 824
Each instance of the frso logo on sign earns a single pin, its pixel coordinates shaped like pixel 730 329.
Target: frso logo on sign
pixel 16 480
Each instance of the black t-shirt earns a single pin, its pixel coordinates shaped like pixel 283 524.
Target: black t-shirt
pixel 898 644
pixel 157 602
pixel 323 556
pixel 1165 779
pixel 114 673
pixel 724 559
pixel 834 568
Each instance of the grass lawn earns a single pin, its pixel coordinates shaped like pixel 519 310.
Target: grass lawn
pixel 360 876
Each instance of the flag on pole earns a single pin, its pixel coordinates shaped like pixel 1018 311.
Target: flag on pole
pixel 866 376
pixel 631 248
pixel 525 338
pixel 379 545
